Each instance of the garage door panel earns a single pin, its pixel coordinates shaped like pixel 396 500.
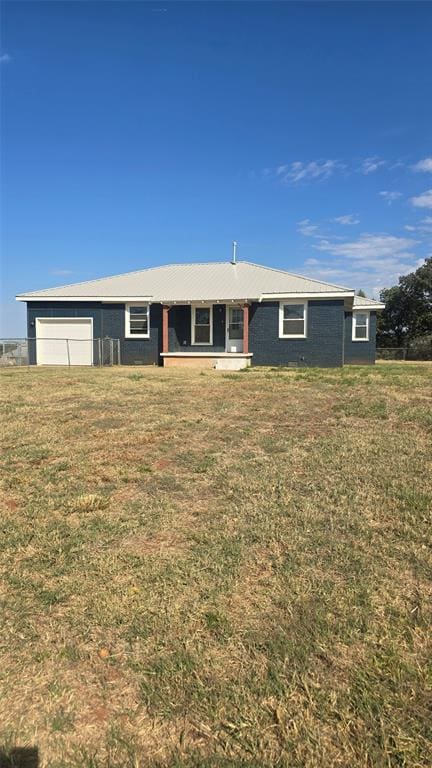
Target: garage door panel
pixel 64 341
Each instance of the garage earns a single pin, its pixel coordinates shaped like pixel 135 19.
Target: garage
pixel 64 341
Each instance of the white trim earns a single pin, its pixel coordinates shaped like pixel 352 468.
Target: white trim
pixel 219 300
pixel 283 335
pixel 48 320
pixel 227 309
pixel 108 299
pixel 128 334
pixel 369 307
pixel 194 307
pixel 308 295
pixel 206 354
pixel 354 324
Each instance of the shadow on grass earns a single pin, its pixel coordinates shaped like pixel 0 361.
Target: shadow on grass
pixel 19 757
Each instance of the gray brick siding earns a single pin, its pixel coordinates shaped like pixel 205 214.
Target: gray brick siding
pixel 323 346
pixel 179 333
pixel 108 320
pixel 360 352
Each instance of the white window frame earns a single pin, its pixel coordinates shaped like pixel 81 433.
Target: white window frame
pixel 354 324
pixel 284 303
pixel 194 307
pixel 128 334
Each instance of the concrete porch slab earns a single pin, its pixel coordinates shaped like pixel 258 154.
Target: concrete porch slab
pixel 221 361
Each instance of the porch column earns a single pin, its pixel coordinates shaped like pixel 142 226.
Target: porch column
pixel 245 328
pixel 165 310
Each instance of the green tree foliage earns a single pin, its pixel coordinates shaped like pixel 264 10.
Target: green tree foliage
pixel 408 312
pixel 361 293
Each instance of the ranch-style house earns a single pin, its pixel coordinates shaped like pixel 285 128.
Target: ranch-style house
pixel 217 315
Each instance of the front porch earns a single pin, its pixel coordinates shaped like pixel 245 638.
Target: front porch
pixel 221 361
pixel 206 335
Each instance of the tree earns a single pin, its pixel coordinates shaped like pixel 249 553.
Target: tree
pixel 408 311
pixel 361 293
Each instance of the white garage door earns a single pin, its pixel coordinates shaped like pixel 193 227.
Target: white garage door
pixel 64 341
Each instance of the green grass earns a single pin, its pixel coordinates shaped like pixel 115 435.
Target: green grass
pixel 217 570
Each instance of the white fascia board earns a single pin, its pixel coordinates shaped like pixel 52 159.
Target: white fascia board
pixel 369 307
pixel 110 299
pixel 130 299
pixel 228 355
pixel 198 302
pixel 309 295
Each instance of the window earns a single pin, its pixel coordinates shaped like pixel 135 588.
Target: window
pixel 235 323
pixel 292 319
pixel 202 329
pixel 360 326
pixel 137 321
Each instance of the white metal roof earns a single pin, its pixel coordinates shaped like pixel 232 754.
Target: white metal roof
pixel 212 281
pixel 362 302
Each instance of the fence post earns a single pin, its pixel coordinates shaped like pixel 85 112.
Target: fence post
pixel 111 351
pixel 100 352
pixel 68 353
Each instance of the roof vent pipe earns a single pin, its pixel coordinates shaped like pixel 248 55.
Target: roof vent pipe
pixel 234 249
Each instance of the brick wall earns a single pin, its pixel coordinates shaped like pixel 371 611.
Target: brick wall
pixel 179 330
pixel 108 320
pixel 360 352
pixel 322 347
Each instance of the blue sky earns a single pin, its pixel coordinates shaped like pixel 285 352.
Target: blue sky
pixel 136 134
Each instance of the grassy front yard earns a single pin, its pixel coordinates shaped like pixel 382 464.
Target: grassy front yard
pixel 203 569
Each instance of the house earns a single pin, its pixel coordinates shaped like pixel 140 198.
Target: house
pixel 219 314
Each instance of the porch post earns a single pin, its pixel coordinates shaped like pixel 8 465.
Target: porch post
pixel 165 310
pixel 245 328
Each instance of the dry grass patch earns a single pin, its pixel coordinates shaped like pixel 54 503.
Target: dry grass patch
pixel 217 570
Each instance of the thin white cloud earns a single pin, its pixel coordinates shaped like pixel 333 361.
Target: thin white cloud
pixel 371 164
pixel 368 246
pixel 390 196
pixel 296 172
pixel 423 201
pixel 306 228
pixel 5 58
pixel 424 165
pixel 370 261
pixel 318 170
pixel 424 226
pixel 346 220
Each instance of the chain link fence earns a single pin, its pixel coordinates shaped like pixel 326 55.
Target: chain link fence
pixel 18 352
pixel 404 353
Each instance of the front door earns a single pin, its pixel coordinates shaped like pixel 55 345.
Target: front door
pixel 234 329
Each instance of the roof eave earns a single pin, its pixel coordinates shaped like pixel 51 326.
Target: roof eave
pixel 359 307
pixel 307 295
pixel 262 297
pixel 110 299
